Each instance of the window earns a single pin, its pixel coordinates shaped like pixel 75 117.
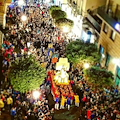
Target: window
pixel 107 60
pixel 112 36
pixel 101 49
pixel 101 52
pixel 105 29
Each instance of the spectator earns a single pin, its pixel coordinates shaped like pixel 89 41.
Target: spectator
pixel 13 113
pixel 9 102
pixel 1 104
pixel 76 100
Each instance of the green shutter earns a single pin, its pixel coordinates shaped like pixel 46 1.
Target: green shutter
pixel 107 60
pixel 117 81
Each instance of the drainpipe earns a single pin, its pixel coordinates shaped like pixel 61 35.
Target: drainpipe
pixel 107 4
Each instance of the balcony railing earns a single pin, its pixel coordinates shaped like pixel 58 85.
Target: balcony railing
pixel 94 22
pixel 106 14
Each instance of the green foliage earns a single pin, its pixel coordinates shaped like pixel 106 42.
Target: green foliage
pixel 57 14
pixel 54 7
pixel 99 77
pixel 26 75
pixel 64 22
pixel 79 52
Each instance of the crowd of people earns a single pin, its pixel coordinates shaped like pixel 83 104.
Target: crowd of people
pixel 25 106
pixel 30 37
pixel 96 104
pixel 33 36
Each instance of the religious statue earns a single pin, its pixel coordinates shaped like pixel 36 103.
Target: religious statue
pixel 62 77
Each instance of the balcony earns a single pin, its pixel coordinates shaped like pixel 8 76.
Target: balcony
pixel 94 20
pixel 107 15
pixel 72 4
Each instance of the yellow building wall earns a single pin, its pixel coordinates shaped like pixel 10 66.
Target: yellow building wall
pixel 114 5
pixel 116 1
pixel 3 8
pixel 79 3
pixel 1 2
pixel 91 4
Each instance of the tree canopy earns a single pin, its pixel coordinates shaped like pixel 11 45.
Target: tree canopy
pixel 99 77
pixel 54 7
pixel 64 22
pixel 26 74
pixel 79 52
pixel 57 14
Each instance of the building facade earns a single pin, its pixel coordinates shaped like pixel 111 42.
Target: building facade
pixel 3 8
pixel 78 10
pixel 109 39
pixel 102 18
pixel 82 6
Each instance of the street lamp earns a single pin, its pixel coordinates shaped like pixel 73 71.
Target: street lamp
pixel 20 2
pixel 47 1
pixel 23 18
pixel 65 29
pixel 86 66
pixel 103 55
pixel 116 61
pixel 36 94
